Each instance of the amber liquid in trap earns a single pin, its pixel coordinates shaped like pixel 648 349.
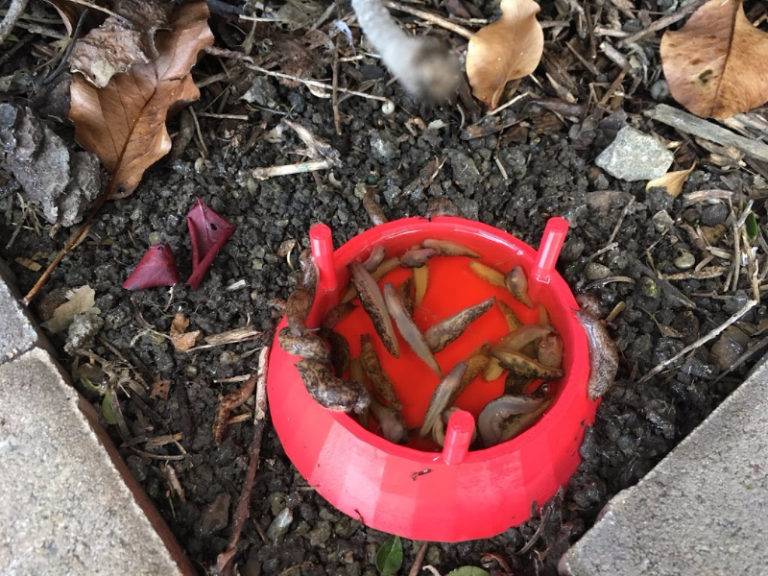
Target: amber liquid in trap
pixel 452 285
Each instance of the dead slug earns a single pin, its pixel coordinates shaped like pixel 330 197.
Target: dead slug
pixel 495 419
pixel 391 422
pixel 448 248
pixel 603 355
pixel 408 329
pixel 330 391
pixel 517 284
pixel 443 396
pixel 524 366
pixel 297 309
pixel 441 334
pixel 308 346
pixel 416 257
pixel 381 383
pixel 373 304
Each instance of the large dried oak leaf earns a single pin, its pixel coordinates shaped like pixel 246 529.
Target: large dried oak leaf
pixel 505 50
pixel 717 64
pixel 124 122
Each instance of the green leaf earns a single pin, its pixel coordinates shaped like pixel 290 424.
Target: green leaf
pixel 468 571
pixel 751 223
pixel 107 411
pixel 389 558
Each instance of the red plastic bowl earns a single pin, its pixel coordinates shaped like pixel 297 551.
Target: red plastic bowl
pixel 454 494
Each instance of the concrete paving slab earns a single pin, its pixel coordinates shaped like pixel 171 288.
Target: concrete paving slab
pixel 64 506
pixel 702 510
pixel 17 334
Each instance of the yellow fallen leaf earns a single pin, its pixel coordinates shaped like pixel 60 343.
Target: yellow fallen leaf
pixel 717 64
pixel 505 50
pixel 671 181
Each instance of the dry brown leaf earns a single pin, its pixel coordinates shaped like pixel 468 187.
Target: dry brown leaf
pixel 672 182
pixel 180 338
pixel 183 342
pixel 124 122
pixel 179 324
pixel 82 299
pixel 160 389
pixel 505 50
pixel 717 64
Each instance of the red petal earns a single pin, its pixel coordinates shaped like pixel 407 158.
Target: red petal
pixel 156 268
pixel 208 232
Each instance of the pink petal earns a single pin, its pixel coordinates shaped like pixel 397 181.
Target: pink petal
pixel 156 268
pixel 208 232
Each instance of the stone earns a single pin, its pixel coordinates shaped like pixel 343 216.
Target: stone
pixel 16 332
pixel 701 510
pixel 634 155
pixel 64 505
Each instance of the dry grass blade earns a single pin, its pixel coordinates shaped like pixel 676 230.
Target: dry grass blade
pixel 717 64
pixel 124 122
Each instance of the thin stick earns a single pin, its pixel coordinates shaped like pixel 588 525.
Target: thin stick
pixel 12 16
pixel 419 560
pixel 287 169
pixel 335 88
pixel 509 103
pixel 664 22
pixel 430 17
pixel 73 241
pixel 224 559
pixel 700 342
pixel 316 84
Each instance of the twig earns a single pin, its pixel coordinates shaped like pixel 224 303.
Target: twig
pixel 12 16
pixel 700 342
pixel 73 241
pixel 418 560
pixel 287 169
pixel 509 103
pixel 259 419
pixel 227 404
pixel 664 22
pixel 234 336
pixel 690 124
pixel 98 8
pixel 335 87
pixel 539 530
pixel 316 84
pixel 430 17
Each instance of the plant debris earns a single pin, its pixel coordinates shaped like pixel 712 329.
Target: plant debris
pixel 717 64
pixel 156 268
pixel 508 49
pixel 124 122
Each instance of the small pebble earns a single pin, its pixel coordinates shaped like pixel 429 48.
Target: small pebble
pixel 280 524
pixel 635 155
pixel 714 214
pixel 215 517
pixel 685 260
pixel 596 271
pixel 660 90
pixel 662 221
pixel 648 287
pixel 320 534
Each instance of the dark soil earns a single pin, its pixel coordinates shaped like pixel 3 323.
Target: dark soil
pixel 548 166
